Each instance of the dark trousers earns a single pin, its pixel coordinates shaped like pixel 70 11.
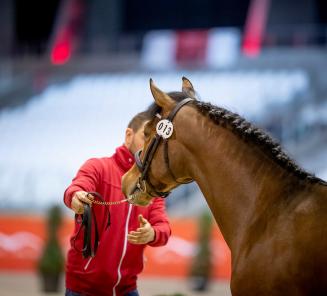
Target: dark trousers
pixel 72 293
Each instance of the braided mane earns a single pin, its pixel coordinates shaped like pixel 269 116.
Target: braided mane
pixel 250 133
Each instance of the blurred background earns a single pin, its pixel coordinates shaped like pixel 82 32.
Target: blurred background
pixel 73 72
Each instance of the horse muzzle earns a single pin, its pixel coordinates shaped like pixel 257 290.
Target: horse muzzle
pixel 139 195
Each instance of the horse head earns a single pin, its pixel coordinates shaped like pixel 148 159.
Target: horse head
pixel 159 166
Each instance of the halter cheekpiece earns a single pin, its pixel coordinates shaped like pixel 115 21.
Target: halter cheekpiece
pixel 164 131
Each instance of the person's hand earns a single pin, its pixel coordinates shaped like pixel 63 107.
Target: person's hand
pixel 143 235
pixel 79 199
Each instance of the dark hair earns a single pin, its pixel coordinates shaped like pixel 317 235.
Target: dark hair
pixel 138 120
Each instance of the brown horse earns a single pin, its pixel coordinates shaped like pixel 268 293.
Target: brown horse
pixel 272 214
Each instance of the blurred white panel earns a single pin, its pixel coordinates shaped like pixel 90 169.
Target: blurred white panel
pixel 159 50
pixel 223 47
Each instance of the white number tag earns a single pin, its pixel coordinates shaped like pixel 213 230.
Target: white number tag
pixel 165 128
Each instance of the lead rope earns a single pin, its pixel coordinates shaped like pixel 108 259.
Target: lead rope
pixel 87 218
pixel 102 202
pixel 109 203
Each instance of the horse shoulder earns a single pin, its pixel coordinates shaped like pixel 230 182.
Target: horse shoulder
pixel 289 256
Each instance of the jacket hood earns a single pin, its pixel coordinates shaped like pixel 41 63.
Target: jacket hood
pixel 124 158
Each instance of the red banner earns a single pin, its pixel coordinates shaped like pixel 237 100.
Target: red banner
pixel 22 239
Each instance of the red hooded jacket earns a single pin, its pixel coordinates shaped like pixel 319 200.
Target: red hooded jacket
pixel 114 269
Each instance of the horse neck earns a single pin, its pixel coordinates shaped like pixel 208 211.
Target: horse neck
pixel 235 178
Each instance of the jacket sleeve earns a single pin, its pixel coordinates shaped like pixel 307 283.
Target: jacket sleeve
pixel 159 221
pixel 87 179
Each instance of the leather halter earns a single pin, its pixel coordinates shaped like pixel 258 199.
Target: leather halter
pixel 144 165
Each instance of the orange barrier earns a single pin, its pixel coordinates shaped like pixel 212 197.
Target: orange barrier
pixel 22 238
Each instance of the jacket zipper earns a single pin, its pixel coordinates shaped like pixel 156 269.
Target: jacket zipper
pixel 87 263
pixel 124 249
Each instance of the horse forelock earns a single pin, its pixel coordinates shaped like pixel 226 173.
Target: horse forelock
pixel 248 132
pixel 153 109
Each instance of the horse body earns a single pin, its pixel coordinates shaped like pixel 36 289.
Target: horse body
pixel 287 257
pixel 271 213
pixel 273 222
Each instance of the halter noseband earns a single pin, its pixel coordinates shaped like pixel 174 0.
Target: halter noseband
pixel 144 165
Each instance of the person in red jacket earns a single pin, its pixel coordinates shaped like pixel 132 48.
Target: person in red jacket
pixel 119 256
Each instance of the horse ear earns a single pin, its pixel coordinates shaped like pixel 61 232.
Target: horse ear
pixel 187 87
pixel 161 98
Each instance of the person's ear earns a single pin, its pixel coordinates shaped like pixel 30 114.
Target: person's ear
pixel 129 134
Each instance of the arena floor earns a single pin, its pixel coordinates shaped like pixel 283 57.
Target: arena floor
pixel 26 284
